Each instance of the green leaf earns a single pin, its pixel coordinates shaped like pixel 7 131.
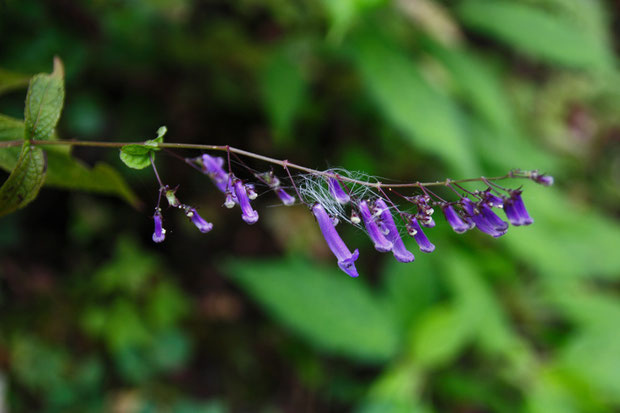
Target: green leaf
pixel 10 130
pixel 64 171
pixel 138 156
pixel 332 311
pixel 548 37
pixel 428 119
pixel 23 185
pixel 440 336
pixel 44 102
pixel 67 172
pixel 409 290
pixel 283 91
pixel 11 80
pixel 132 158
pixel 493 124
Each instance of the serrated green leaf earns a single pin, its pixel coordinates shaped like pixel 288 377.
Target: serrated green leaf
pixel 428 119
pixel 64 171
pixel 44 102
pixel 11 81
pixel 67 172
pixel 334 312
pixel 10 130
pixel 23 185
pixel 542 35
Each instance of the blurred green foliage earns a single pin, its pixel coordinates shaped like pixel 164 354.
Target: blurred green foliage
pixel 93 317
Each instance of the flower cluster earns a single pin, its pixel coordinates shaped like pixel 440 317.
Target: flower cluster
pixel 235 191
pixel 473 210
pixel 333 198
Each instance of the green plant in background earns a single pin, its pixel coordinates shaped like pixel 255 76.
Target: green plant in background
pixel 402 89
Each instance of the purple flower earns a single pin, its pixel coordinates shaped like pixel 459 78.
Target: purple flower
pixel 515 210
pixel 337 192
pixel 381 243
pixel 160 233
pixel 492 218
pixel 413 229
pixel 248 214
pixel 346 260
pixel 427 221
pixel 474 212
pixel 202 225
pixel 213 166
pixel 398 247
pixel 285 197
pixel 546 180
pixel 458 225
pixel 492 200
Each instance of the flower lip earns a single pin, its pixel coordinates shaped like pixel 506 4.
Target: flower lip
pixel 398 247
pixel 346 259
pixel 381 242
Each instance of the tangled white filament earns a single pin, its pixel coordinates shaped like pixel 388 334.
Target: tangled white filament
pixel 314 188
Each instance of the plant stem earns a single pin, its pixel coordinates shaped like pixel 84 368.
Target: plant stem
pixel 283 163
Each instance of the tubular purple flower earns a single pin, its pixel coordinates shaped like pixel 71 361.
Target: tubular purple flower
pixel 375 234
pixel 458 225
pixel 481 222
pixel 398 247
pixel 515 210
pixel 492 218
pixel 202 225
pixel 214 167
pixel 346 260
pixel 160 233
pixel 285 197
pixel 413 229
pixel 337 192
pixel 249 215
pixel 492 200
pixel 546 180
pixel 526 219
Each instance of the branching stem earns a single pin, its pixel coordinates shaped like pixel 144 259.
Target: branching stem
pixel 285 164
